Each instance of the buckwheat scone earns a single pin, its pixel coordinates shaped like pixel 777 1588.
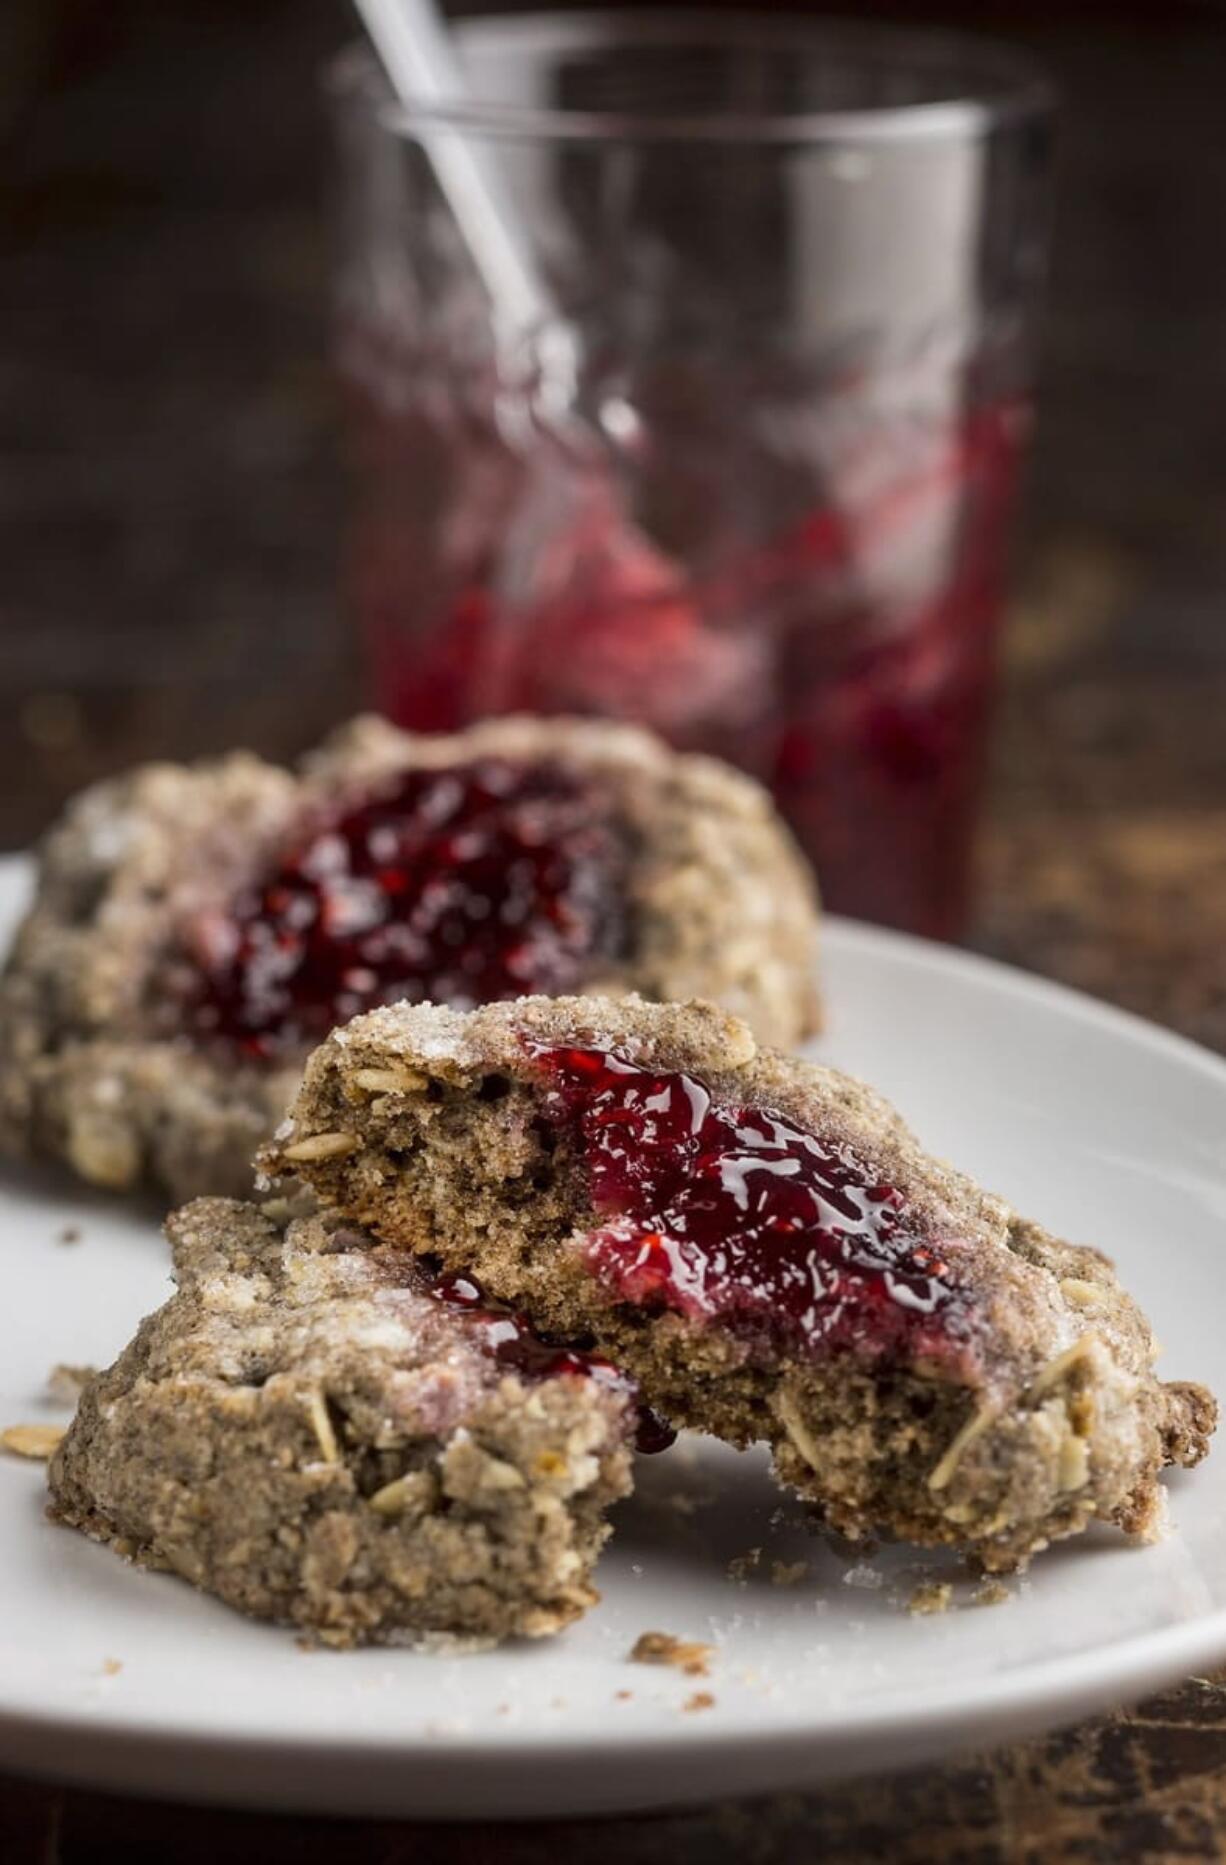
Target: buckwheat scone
pixel 321 1435
pixel 197 929
pixel 763 1244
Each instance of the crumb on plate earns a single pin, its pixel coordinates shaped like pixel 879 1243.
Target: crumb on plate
pixel 788 1573
pixel 37 1441
pixel 688 1655
pixel 931 1596
pixel 65 1382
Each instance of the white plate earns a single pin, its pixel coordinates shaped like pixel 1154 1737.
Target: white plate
pixel 1100 1126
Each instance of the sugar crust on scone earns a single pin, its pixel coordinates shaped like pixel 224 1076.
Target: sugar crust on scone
pixel 94 1066
pixel 1059 1422
pixel 306 1432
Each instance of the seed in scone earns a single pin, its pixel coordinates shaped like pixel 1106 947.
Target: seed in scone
pixel 975 1426
pixel 36 1441
pixel 1074 1470
pixel 1079 1293
pixel 389 1080
pixel 415 1491
pixel 323 1146
pixel 1056 1368
pixel 798 1431
pixel 321 1425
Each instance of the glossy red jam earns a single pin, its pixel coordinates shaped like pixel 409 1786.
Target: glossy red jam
pixel 515 1344
pixel 466 885
pixel 738 1215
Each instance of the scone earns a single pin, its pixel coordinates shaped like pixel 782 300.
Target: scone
pixel 764 1246
pixel 319 1433
pixel 196 930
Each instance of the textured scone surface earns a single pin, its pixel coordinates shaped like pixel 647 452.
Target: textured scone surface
pixel 90 1068
pixel 305 1431
pixel 959 1375
pixel 105 1059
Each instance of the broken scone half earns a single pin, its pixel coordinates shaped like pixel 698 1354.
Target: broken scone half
pixel 765 1247
pixel 325 1435
pixel 197 929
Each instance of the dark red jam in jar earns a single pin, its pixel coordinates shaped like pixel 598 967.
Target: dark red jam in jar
pixel 464 885
pixel 515 1344
pixel 741 1216
pixel 845 658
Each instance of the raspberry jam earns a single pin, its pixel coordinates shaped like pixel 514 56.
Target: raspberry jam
pixel 515 1344
pixel 465 885
pixel 739 1215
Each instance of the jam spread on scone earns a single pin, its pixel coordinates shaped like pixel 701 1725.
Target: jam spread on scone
pixel 510 1340
pixel 738 1214
pixel 463 885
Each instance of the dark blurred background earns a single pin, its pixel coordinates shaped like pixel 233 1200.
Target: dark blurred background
pixel 170 488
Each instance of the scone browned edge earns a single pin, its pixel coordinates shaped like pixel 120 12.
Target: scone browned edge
pixel 426 1125
pixel 306 1433
pixel 92 1069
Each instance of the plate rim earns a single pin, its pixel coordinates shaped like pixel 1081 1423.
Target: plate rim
pixel 416 1776
pixel 845 933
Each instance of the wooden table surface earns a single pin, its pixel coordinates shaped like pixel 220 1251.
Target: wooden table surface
pixel 168 536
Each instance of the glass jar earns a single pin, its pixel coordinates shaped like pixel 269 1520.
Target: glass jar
pixel 748 477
